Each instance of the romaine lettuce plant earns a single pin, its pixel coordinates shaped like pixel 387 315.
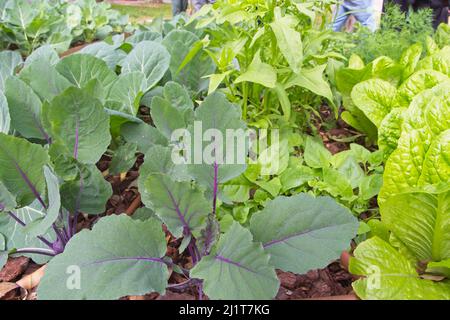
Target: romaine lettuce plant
pixel 411 261
pixel 377 95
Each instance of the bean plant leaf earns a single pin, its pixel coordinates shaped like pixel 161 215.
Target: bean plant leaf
pixel 150 58
pixel 78 125
pixel 94 266
pixel 307 233
pixel 312 80
pixel 24 109
pixel 289 41
pixel 22 175
pixel 316 155
pixel 259 72
pixel 390 275
pixel 237 268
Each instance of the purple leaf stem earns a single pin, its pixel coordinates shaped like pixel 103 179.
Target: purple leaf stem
pixel 23 224
pixel 45 252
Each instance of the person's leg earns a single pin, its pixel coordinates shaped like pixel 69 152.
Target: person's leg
pixel 198 4
pixel 184 5
pixel 366 18
pixel 176 7
pixel 340 18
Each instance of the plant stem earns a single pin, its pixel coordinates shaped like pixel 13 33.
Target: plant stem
pixel 45 252
pixel 245 100
pixel 23 224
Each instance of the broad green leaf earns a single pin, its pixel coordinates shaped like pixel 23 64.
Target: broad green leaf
pixel 84 189
pixel 316 155
pixel 275 158
pixel 78 126
pixel 139 37
pixel 18 236
pixel 439 61
pixel 390 130
pixel 105 269
pixel 7 200
pixel 45 53
pixel 418 82
pixel 24 109
pixel 110 53
pixel 237 268
pixel 410 58
pixel 181 206
pixel 436 165
pixel 124 158
pixel 336 183
pixel 295 177
pixel 158 159
pixel 21 169
pixel 289 41
pixel 42 225
pixel 312 80
pixel 307 233
pixel 149 58
pixel 44 79
pixel 128 90
pixel 390 276
pixel 259 72
pixel 429 111
pixel 370 186
pixel 179 44
pixel 9 61
pixel 375 98
pixel 166 117
pixel 5 118
pixel 283 98
pixel 351 170
pixel 143 134
pixel 79 69
pixel 416 162
pixel 226 147
pixel 178 96
pixel 421 222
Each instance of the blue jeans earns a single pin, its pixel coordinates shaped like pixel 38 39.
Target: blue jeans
pixel 198 4
pixel 363 12
pixel 179 6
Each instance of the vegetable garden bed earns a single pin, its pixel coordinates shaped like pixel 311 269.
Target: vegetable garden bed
pixel 117 173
